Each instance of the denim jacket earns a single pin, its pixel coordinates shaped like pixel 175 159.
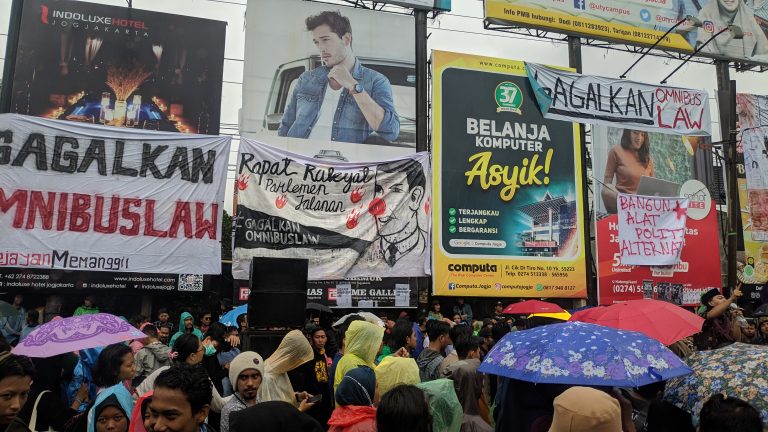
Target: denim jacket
pixel 349 124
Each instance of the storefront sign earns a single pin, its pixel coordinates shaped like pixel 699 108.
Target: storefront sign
pixel 570 96
pixel 374 293
pixel 84 197
pixel 347 219
pixel 508 199
pixel 117 66
pixel 644 22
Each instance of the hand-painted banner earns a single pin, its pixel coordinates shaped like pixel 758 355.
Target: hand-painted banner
pixel 651 229
pixel 570 96
pixel 84 197
pixel 348 219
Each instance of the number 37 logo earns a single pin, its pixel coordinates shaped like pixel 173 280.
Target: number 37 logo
pixel 509 97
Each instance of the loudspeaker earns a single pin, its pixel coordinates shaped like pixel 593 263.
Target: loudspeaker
pixel 278 297
pixel 263 342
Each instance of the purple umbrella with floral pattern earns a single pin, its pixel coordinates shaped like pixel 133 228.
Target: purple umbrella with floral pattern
pixel 76 333
pixel 578 353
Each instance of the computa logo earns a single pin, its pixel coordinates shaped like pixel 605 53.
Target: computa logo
pixel 473 268
pixel 44 14
pixel 580 4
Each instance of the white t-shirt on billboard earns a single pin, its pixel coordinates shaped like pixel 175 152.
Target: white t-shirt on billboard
pixel 324 125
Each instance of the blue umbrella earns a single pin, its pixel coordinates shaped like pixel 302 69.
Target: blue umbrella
pixel 230 318
pixel 578 353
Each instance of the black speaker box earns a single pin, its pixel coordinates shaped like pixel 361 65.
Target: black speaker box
pixel 278 296
pixel 262 341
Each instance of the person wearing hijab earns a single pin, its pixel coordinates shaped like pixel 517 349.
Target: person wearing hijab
pixel 395 371
pixel 721 14
pixel 139 413
pixel 362 343
pixel 468 384
pixel 355 395
pixel 294 351
pixel 111 410
pixel 273 416
pixel 312 377
pixel 444 405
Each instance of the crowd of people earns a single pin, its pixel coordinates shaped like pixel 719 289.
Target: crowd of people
pixel 358 375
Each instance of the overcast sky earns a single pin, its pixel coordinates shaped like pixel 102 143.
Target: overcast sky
pixel 460 30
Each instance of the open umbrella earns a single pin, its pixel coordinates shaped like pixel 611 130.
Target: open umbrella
pixel 76 333
pixel 759 312
pixel 230 318
pixel 318 307
pixel 562 316
pixel 577 353
pixel 738 370
pixel 7 309
pixel 663 321
pixel 531 307
pixel 371 318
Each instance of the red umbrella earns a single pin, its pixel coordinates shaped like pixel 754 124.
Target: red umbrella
pixel 532 307
pixel 665 322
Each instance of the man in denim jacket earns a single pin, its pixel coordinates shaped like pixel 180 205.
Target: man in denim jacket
pixel 341 100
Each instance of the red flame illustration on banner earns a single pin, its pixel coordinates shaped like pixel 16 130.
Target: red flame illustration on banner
pixel 242 181
pixel 281 201
pixel 352 219
pixel 428 205
pixel 357 195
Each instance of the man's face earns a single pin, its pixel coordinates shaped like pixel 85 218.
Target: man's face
pixel 764 327
pixel 319 339
pixel 333 49
pixel 164 334
pixel 750 330
pixel 170 411
pixel 14 391
pixel 188 323
pixel 445 340
pixel 461 302
pixel 248 383
pixel 88 303
pixel 206 319
pixel 730 5
pixel 410 341
pixel 163 317
pixel 392 220
pixel 17 300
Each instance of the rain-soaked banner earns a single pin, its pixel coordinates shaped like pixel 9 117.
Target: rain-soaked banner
pixel 564 95
pixel 97 198
pixel 348 219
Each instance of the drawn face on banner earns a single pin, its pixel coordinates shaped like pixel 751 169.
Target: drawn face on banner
pixel 400 182
pixel 333 49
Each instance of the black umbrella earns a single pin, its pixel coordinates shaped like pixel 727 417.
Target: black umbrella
pixel 318 307
pixel 761 311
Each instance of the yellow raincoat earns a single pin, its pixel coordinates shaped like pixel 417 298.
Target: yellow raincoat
pixel 361 345
pixel 394 371
pixel 294 351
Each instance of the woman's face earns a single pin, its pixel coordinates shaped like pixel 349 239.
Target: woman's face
pixel 637 139
pixel 730 5
pixel 14 391
pixel 127 367
pixel 197 356
pixel 111 419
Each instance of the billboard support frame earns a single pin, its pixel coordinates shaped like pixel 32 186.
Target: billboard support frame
pixel 727 98
pixel 575 61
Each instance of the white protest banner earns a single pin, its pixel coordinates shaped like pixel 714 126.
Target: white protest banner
pixel 82 197
pixel 571 96
pixel 349 219
pixel 651 229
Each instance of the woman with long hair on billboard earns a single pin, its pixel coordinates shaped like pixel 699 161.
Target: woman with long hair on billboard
pixel 628 161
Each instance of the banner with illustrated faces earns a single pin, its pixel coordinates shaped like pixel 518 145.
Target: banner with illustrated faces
pixel 734 30
pixel 642 166
pixel 509 218
pixel 348 219
pixel 752 167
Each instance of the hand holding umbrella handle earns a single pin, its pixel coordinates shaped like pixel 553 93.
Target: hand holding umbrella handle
pixel 627 425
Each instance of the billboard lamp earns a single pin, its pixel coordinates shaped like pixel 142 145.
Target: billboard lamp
pixel 736 33
pixel 690 19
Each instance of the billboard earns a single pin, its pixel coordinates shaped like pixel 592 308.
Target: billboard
pixel 752 149
pixel 647 164
pixel 643 22
pixel 16 279
pixel 328 81
pixel 116 66
pixel 97 198
pixel 367 219
pixel 508 218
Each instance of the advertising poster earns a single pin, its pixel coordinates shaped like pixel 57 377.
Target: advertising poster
pixel 508 201
pixel 328 81
pixel 752 150
pixel 96 198
pixel 115 66
pixel 632 162
pixel 39 279
pixel 348 219
pixel 643 22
